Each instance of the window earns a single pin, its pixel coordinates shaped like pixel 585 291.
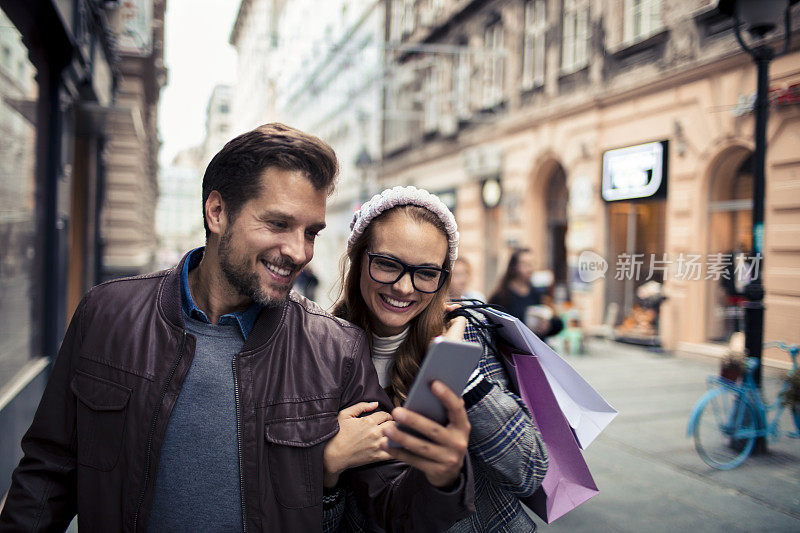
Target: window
pixel 431 105
pixel 408 17
pixel 494 65
pixel 397 111
pixel 642 19
pixel 396 20
pixel 533 46
pixel 402 19
pixel 224 108
pixel 461 85
pixel 575 40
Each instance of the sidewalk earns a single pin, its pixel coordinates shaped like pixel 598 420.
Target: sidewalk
pixel 649 475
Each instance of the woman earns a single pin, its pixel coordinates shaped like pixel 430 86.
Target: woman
pixel 402 244
pixel 519 297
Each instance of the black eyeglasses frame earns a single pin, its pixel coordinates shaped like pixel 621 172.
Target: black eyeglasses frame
pixel 411 269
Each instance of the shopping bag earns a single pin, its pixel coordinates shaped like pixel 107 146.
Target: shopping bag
pixel 586 411
pixel 568 482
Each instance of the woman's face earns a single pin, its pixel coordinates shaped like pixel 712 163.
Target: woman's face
pixel 393 306
pixel 525 267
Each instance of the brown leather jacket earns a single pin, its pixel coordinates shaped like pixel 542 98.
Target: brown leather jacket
pixel 94 444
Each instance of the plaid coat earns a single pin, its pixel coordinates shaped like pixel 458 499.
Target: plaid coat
pixel 508 456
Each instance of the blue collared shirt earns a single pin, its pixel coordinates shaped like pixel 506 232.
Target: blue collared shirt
pixel 244 319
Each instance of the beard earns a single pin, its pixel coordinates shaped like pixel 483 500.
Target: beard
pixel 247 282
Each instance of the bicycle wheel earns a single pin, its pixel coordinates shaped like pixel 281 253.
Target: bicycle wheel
pixel 725 429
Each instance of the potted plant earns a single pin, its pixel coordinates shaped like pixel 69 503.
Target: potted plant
pixel 732 366
pixel 733 363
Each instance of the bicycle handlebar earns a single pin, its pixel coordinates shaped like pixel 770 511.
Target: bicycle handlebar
pixel 791 349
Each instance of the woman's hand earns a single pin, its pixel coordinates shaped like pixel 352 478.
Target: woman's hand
pixel 454 330
pixel 358 441
pixel 442 457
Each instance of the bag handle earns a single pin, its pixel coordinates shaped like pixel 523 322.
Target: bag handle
pixel 483 329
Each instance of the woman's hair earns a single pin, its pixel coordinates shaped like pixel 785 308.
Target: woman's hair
pixel 424 327
pixel 502 291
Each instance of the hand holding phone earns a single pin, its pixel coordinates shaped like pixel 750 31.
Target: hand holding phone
pixel 450 362
pixel 440 454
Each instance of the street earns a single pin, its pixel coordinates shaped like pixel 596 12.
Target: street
pixel 649 475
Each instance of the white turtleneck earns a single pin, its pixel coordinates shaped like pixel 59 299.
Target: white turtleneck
pixel 383 350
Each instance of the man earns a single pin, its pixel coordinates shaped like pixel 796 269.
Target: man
pixel 201 398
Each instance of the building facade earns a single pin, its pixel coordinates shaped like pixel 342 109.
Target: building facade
pixel 219 115
pixel 256 37
pixel 338 97
pixel 321 70
pixel 179 216
pixel 131 185
pixel 543 120
pixel 179 219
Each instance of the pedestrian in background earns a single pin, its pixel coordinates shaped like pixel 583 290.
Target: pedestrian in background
pixel 517 295
pixel 402 244
pixel 307 283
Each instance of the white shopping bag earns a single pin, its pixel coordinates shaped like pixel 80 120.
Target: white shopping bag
pixel 586 411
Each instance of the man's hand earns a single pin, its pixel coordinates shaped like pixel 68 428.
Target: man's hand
pixel 357 443
pixel 442 457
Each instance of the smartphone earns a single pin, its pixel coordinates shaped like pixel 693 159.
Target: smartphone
pixel 450 362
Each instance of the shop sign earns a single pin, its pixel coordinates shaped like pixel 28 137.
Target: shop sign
pixel 788 96
pixel 635 172
pixel 778 97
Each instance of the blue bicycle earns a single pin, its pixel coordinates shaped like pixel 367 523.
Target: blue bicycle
pixel 728 419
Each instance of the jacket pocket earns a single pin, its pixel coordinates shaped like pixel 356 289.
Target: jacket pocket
pixel 101 412
pixel 294 449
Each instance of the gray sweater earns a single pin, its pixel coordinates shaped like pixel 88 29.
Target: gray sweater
pixel 197 487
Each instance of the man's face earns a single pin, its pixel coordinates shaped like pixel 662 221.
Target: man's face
pixel 272 237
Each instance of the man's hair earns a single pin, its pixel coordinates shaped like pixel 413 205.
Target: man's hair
pixel 235 172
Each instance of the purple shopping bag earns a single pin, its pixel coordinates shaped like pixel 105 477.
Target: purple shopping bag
pixel 568 482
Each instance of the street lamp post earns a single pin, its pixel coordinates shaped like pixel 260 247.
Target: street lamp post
pixel 363 163
pixel 760 17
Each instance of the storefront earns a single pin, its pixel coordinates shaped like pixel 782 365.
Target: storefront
pixel 634 189
pixel 19 92
pixel 52 81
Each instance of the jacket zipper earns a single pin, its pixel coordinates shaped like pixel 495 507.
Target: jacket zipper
pixel 149 449
pixel 239 440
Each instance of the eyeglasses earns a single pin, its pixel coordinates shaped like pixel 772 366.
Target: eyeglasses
pixel 388 270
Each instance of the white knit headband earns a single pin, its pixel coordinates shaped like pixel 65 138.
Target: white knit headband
pixel 408 195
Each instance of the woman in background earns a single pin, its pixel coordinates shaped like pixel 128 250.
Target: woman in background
pixel 517 295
